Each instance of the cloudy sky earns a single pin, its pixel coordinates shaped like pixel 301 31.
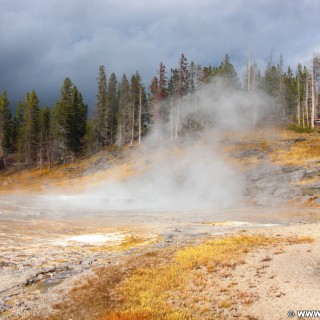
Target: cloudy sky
pixel 44 41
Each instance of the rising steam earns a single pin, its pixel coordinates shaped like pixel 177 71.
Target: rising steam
pixel 187 173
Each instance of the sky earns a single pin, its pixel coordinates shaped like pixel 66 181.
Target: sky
pixel 44 41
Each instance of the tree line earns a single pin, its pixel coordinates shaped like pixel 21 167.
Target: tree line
pixel 125 110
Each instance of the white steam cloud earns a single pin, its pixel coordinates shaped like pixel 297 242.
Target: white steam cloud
pixel 187 173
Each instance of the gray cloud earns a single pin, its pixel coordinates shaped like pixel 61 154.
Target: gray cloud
pixel 42 42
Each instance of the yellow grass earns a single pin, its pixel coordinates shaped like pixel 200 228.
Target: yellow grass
pixel 129 242
pixel 301 152
pixel 61 177
pixel 307 181
pixel 164 285
pixel 149 290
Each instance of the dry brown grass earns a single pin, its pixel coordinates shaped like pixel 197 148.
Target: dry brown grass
pixel 300 152
pixel 283 146
pixel 124 316
pixel 149 290
pixel 61 177
pixel 259 145
pixel 165 284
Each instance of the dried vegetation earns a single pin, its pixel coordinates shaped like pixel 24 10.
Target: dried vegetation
pixel 189 283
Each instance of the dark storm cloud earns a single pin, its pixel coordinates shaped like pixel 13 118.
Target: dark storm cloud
pixel 42 42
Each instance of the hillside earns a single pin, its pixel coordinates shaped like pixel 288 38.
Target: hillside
pixel 209 226
pixel 278 152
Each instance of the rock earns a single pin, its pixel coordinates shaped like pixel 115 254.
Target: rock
pixel 296 175
pixel 4 307
pixel 288 169
pixel 29 282
pixel 312 173
pixel 315 185
pixel 274 184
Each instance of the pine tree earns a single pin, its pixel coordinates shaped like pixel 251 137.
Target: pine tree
pixel 192 73
pixel 101 120
pixel 76 125
pixel 162 95
pixel 61 115
pixel 89 139
pixel 173 83
pixel 227 73
pixel 290 90
pixel 173 96
pixel 5 127
pixel 251 84
pixel 112 107
pixel 30 129
pixel 135 85
pixel 281 94
pixel 70 116
pixel 44 150
pixel 184 77
pixel 47 133
pixel 124 112
pixel 183 87
pixel 19 132
pixel 155 101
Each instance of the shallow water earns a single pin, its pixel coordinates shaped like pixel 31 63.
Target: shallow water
pixel 35 216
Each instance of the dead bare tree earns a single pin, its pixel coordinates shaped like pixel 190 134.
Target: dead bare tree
pixel 140 115
pixel 182 88
pixel 314 87
pixel 306 103
pixel 298 115
pixel 251 78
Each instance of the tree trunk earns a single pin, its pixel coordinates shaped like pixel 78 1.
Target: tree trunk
pixel 132 126
pixel 249 74
pixel 313 94
pixel 50 152
pixel 254 107
pixel 298 104
pixel 120 135
pixel 171 119
pixel 177 120
pixel 41 162
pixel 140 114
pixel 306 102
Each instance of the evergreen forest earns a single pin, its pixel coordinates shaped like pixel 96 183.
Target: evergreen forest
pixel 126 109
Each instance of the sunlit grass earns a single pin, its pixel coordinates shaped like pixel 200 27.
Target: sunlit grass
pixel 126 316
pixel 164 284
pixel 128 242
pixel 300 152
pixel 149 290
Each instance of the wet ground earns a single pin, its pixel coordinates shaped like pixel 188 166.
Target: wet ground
pixel 43 245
